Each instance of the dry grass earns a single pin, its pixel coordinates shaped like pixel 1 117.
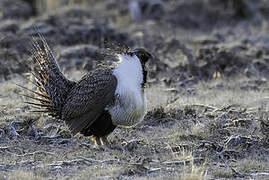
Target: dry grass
pixel 22 175
pixel 250 165
pixel 194 129
pixel 168 144
pixel 222 172
pixel 221 92
pixel 192 171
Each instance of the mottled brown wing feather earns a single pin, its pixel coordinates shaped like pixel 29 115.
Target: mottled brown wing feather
pixel 88 98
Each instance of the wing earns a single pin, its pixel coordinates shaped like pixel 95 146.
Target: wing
pixel 88 98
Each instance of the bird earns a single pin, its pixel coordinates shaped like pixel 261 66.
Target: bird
pixel 105 98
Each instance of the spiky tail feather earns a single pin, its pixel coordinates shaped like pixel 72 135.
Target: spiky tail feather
pixel 52 86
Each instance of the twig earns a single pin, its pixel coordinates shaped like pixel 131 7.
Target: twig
pixel 206 106
pixel 60 163
pixel 10 147
pixel 82 159
pixel 154 170
pixel 32 153
pixel 5 147
pixel 98 161
pixel 182 162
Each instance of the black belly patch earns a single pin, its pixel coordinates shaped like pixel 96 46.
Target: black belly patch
pixel 101 127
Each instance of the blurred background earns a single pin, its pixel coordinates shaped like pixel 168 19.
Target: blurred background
pixel 192 39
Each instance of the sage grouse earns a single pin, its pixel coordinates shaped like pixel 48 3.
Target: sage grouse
pixel 103 99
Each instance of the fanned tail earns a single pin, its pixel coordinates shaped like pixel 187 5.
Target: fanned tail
pixel 52 86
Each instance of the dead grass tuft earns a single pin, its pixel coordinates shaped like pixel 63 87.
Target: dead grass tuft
pixel 23 175
pixel 250 166
pixel 222 172
pixel 192 171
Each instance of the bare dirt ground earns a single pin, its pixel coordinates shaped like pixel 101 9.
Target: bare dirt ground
pixel 208 90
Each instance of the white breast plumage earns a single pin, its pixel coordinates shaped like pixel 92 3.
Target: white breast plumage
pixel 130 103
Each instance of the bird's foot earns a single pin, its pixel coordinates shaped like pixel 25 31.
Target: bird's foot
pixel 96 141
pixel 101 142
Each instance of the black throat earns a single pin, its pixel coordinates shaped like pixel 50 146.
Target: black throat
pixel 145 73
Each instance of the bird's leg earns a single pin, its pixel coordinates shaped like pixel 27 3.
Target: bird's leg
pixel 104 141
pixel 101 142
pixel 96 140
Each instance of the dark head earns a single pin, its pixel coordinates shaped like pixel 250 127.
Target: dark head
pixel 142 54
